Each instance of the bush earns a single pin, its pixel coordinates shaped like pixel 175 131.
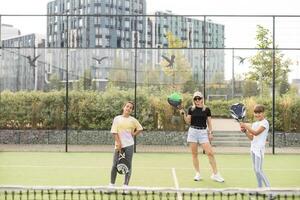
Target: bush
pixel 92 110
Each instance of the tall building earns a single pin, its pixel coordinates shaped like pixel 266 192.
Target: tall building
pixel 191 32
pixel 91 32
pixel 8 31
pixel 18 69
pixel 96 30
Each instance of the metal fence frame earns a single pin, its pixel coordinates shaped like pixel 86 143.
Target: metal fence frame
pixel 136 48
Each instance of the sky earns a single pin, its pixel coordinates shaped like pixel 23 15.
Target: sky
pixel 287 34
pixel 189 7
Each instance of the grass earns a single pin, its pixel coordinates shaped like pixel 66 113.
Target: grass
pixel 150 169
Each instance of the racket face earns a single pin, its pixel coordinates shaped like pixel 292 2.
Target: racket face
pixel 174 103
pixel 238 111
pixel 123 165
pixel 175 99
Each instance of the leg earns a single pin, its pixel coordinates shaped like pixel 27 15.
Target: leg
pixel 262 174
pixel 256 167
pixel 129 154
pixel 194 150
pixel 212 161
pixel 113 173
pixel 210 154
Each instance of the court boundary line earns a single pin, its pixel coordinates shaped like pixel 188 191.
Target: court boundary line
pixel 176 183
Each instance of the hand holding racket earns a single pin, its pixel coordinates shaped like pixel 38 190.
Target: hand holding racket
pixel 238 112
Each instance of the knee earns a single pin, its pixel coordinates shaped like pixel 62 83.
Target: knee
pixel 210 153
pixel 257 171
pixel 195 155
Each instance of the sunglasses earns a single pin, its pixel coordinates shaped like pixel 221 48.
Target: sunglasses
pixel 197 98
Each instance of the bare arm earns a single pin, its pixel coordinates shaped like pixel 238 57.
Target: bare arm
pixel 186 117
pixel 117 141
pixel 250 132
pixel 249 135
pixel 209 128
pixel 136 132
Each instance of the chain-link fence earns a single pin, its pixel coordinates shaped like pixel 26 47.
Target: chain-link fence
pixel 61 90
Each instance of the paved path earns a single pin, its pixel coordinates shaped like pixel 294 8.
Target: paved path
pixel 140 148
pixel 218 125
pixel 225 124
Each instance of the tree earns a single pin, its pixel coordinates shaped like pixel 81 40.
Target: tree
pixel 261 69
pixel 180 72
pixel 249 88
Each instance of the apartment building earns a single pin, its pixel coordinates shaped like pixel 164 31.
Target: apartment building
pixel 19 70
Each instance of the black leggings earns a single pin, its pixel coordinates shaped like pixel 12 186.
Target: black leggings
pixel 113 175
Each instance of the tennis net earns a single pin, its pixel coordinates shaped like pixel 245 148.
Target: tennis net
pixel 143 193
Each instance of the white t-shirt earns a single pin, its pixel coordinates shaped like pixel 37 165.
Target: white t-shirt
pixel 259 141
pixel 124 127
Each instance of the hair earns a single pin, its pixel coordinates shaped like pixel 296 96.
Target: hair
pixel 194 105
pixel 259 108
pixel 131 102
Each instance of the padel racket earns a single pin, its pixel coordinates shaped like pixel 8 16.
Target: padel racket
pixel 175 99
pixel 123 166
pixel 238 111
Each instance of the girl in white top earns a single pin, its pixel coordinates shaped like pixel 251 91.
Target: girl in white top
pixel 258 133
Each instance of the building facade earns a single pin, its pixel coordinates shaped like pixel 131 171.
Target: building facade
pixel 18 70
pixel 95 28
pixel 99 29
pixel 8 31
pixel 191 32
pixel 91 25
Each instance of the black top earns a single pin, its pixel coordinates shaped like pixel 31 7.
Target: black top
pixel 199 117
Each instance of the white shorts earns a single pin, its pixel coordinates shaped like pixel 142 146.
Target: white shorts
pixel 197 136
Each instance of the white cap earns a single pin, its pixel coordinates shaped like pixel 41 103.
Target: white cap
pixel 198 94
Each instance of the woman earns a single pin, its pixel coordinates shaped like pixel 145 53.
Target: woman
pixel 200 131
pixel 124 128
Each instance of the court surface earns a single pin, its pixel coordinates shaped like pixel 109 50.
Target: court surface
pixel 149 169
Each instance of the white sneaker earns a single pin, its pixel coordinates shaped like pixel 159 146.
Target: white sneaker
pixel 111 188
pixel 125 191
pixel 197 177
pixel 217 177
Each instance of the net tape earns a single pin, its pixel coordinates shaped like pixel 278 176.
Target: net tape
pixel 150 193
pixel 152 189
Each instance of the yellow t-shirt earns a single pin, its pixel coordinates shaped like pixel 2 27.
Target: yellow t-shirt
pixel 125 126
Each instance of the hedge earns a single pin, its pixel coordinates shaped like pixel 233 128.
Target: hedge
pixel 91 110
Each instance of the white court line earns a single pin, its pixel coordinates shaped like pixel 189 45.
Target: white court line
pixel 176 183
pixel 154 168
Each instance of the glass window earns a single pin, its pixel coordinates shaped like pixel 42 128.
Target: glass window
pixel 80 23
